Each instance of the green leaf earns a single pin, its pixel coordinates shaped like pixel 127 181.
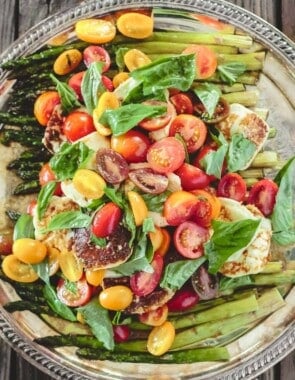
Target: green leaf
pixel 209 94
pixel 229 72
pixel 124 118
pixel 176 274
pixel 92 86
pixel 68 220
pixel 100 242
pixel 155 202
pixel 99 321
pixel 56 305
pixel 115 196
pixel 71 286
pixel 67 95
pixel 227 239
pixel 240 152
pixel 69 158
pixel 24 227
pixel 44 198
pixel 283 215
pixel 227 283
pixel 148 225
pixel 119 57
pixel 43 270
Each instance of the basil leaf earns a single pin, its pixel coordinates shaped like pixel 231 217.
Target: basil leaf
pixel 176 274
pixel 129 222
pixel 98 319
pixel 229 72
pixel 155 202
pixel 67 220
pixel 56 305
pixel 67 95
pixel 209 94
pixel 177 72
pixel 115 196
pixel 69 158
pixel 240 152
pixel 119 57
pixel 226 283
pixel 227 239
pixel 148 225
pixel 100 242
pixel 44 197
pixel 283 215
pixel 213 161
pixel 42 269
pixel 24 227
pixel 124 118
pixel 92 86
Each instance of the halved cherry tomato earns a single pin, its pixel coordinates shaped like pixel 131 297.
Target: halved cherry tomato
pixel 111 165
pixel 149 181
pixel 44 106
pixel 165 244
pixel 89 183
pixel 106 220
pixel 166 155
pixel 134 59
pixel 189 239
pixel 107 82
pixel 74 294
pixel 71 268
pixel 155 123
pixel 94 53
pixel 263 195
pixel 132 145
pixel 94 277
pixel 221 111
pixel 178 207
pixel 233 186
pixel 156 238
pixel 135 25
pixel 46 175
pixel 75 83
pixel 138 207
pixel 155 317
pixel 16 270
pixel 121 333
pixel 205 284
pixel 182 103
pixel 67 61
pixel 95 31
pixel 206 60
pixel 78 124
pixel 29 251
pixel 192 177
pixel 116 297
pixel 202 214
pixel 161 339
pixel 31 207
pixel 211 198
pixel 192 130
pixel 6 241
pixel 143 283
pixel 183 299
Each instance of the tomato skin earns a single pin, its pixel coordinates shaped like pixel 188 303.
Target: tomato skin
pixel 192 178
pixel 263 195
pixel 192 130
pixel 144 283
pixel 179 207
pixel 183 299
pixel 161 339
pixel 121 333
pixel 133 146
pixel 233 186
pixel 44 106
pixel 206 60
pixel 29 251
pixel 182 103
pixel 75 83
pixel 116 297
pixel 202 213
pixel 166 155
pixel 107 82
pixel 46 175
pixel 211 198
pixel 16 270
pixel 77 125
pixel 6 241
pixel 111 165
pixel 155 123
pixel 155 317
pixel 189 239
pixel 79 298
pixel 94 53
pixel 106 220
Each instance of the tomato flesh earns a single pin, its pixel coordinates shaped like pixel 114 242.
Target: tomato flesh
pixel 106 220
pixel 192 178
pixel 155 317
pixel 206 60
pixel 179 207
pixel 111 165
pixel 155 123
pixel 94 53
pixel 75 82
pixel 189 239
pixel 263 196
pixel 182 103
pixel 77 125
pixel 77 295
pixel 132 145
pixel 233 186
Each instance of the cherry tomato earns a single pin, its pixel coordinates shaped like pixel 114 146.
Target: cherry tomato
pixel 135 25
pixel 206 60
pixel 210 198
pixel 78 124
pixel 16 270
pixel 233 186
pixel 67 61
pixel 106 220
pixel 70 266
pixel 189 239
pixel 94 53
pixel 138 207
pixel 121 333
pixel 143 283
pixel 192 177
pixel 75 83
pixel 178 207
pixel 205 284
pixel 111 165
pixel 75 294
pixel 89 183
pixel 166 155
pixel 32 207
pixel 206 149
pixel 95 277
pixel 116 297
pixel 182 103
pixel 202 213
pixel 221 111
pixel 46 175
pixel 165 244
pixel 161 339
pixel 95 31
pixel 6 241
pixel 29 251
pixel 148 181
pixel 192 130
pixel 183 299
pixel 132 145
pixel 155 123
pixel 44 106
pixel 263 195
pixel 107 82
pixel 155 317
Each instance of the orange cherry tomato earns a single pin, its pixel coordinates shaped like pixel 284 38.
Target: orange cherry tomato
pixel 211 198
pixel 44 106
pixel 165 244
pixel 155 123
pixel 178 207
pixel 46 175
pixel 155 317
pixel 206 60
pixel 132 145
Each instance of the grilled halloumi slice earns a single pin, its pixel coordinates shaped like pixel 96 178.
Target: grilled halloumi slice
pixel 248 123
pixel 253 258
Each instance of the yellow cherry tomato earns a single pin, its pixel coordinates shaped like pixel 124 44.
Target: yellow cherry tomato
pixel 89 183
pixel 29 251
pixel 138 206
pixel 156 238
pixel 67 61
pixel 70 266
pixel 95 277
pixel 95 31
pixel 116 297
pixel 120 78
pixel 16 270
pixel 165 244
pixel 135 58
pixel 108 100
pixel 161 339
pixel 135 25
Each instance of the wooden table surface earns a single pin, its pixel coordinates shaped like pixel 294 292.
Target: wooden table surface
pixel 17 16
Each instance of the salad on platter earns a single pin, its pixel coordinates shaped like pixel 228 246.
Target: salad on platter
pixel 151 228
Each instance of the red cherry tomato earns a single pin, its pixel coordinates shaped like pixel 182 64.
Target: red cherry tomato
pixel 111 165
pixel 106 220
pixel 75 83
pixel 166 155
pixel 263 195
pixel 206 60
pixel 78 124
pixel 6 242
pixel 179 207
pixel 233 186
pixel 144 283
pixel 79 297
pixel 202 213
pixel 182 300
pixel 132 145
pixel 155 123
pixel 182 103
pixel 189 239
pixel 192 178
pixel 206 149
pixel 94 53
pixel 46 175
pixel 192 130
pixel 107 82
pixel 121 333
pixel 31 207
pixel 154 317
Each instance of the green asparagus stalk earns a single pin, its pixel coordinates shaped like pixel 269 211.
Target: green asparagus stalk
pixel 283 277
pixel 27 305
pixel 246 98
pixel 251 181
pixel 265 159
pixel 252 173
pixel 253 61
pixel 25 188
pixel 7 118
pixel 236 87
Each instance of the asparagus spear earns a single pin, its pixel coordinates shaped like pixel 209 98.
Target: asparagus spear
pixel 8 118
pixel 27 188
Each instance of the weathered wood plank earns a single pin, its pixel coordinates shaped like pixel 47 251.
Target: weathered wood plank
pixel 288 18
pixel 5 360
pixel 8 27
